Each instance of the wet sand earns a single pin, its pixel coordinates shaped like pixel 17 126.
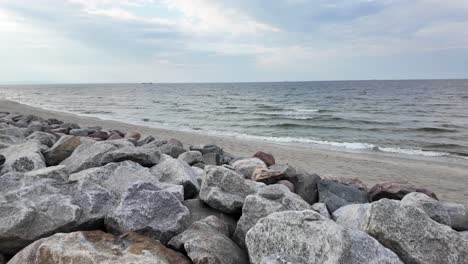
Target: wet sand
pixel 449 180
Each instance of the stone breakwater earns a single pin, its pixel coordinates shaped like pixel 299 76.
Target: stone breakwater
pixel 84 195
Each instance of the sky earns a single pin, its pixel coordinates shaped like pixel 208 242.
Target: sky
pixel 93 41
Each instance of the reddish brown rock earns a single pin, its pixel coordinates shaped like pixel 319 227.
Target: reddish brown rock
pixel 351 181
pixel 396 191
pixel 90 247
pixel 273 174
pixel 133 134
pixel 265 157
pixel 103 135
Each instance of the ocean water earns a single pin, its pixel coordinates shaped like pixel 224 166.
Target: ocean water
pixel 417 117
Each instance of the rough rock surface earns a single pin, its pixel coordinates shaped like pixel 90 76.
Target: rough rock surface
pixel 267 200
pixel 172 150
pixel 62 149
pixel 267 158
pixel 432 207
pixel 207 242
pixel 247 166
pixel 396 191
pixel 204 149
pixel 58 172
pixel 144 156
pixel 352 215
pixel 225 190
pixel 283 259
pixel 178 172
pixel 336 195
pixel 290 233
pixel 149 210
pixel 43 138
pixel 191 157
pixel 97 247
pixel 321 208
pixel 22 157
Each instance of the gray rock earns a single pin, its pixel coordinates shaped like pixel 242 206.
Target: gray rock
pixel 91 247
pixel 288 185
pixel 352 215
pixel 191 157
pixel 43 138
pixel 62 149
pixel 225 190
pixel 246 167
pixel 321 208
pixel 212 159
pixel 174 189
pixel 88 155
pixel 2 160
pixel 2 259
pixel 144 141
pixel 204 149
pixel 199 210
pixel 199 172
pixel 207 242
pixel 283 259
pixel 305 186
pixel 59 172
pixel 290 233
pixel 144 156
pixel 81 132
pixel 464 233
pixel 172 150
pixel 116 177
pixel 35 127
pixel 267 200
pixel 458 215
pixel 149 210
pixel 412 235
pixel 336 195
pixel 432 207
pixel 23 157
pixel 178 172
pixel 175 142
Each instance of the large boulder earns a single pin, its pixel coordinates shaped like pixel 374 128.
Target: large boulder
pixel 43 138
pixel 308 235
pixel 411 234
pixel 336 195
pixel 58 172
pixel 149 210
pixel 89 154
pixel 267 200
pixel 207 242
pixel 33 207
pixel 144 156
pixel 267 158
pixel 451 214
pixel 352 215
pixel 178 172
pixel 305 185
pixel 395 190
pixel 172 150
pixel 91 247
pixel 23 157
pixel 191 157
pixel 225 190
pixel 246 167
pixel 62 149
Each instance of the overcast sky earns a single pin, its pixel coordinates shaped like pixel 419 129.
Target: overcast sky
pixel 68 41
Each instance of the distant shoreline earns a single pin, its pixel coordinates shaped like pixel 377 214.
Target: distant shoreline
pixel 448 180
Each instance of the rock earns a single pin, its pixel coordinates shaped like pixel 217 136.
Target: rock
pixel 464 233
pixel 207 241
pixel 305 186
pixel 396 191
pixel 10 135
pixel 174 189
pixel 191 157
pixel 172 150
pixel 352 215
pixel 175 142
pixel 321 208
pixel 336 195
pixel 33 207
pixel 288 184
pixel 451 214
pixel 90 247
pixel 145 141
pixel 2 259
pixel 247 166
pixel 35 127
pixel 114 136
pixel 62 149
pixel 204 149
pixel 69 126
pixel 144 156
pixel 212 159
pixel 200 165
pixel 54 121
pixel 225 190
pixel 133 134
pixel 149 210
pixel 177 172
pixel 82 132
pixel 199 210
pixel 2 160
pixel 43 138
pixel 351 181
pixel 88 155
pixel 199 173
pixel 59 173
pixel 22 157
pixel 412 235
pixel 267 200
pixel 273 174
pixel 268 159
pixel 290 233
pixel 103 135
pixel 283 259
pixel 116 177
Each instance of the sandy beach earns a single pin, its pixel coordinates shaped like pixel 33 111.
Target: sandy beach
pixel 449 180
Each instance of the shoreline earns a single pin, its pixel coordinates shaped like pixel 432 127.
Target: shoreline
pixel 449 180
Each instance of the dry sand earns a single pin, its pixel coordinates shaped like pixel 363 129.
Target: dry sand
pixel 449 180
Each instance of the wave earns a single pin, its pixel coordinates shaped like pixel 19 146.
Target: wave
pixel 436 130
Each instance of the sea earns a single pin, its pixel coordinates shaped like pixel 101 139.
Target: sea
pixel 427 118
